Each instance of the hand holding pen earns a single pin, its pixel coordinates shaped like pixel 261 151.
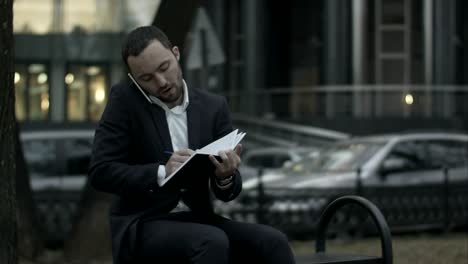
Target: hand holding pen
pixel 177 158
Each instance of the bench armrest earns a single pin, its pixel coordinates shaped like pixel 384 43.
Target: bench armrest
pixel 379 220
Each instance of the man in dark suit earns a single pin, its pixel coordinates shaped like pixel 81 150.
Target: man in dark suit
pixel 142 122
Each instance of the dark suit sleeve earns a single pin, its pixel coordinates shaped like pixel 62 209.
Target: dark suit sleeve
pixel 110 170
pixel 223 127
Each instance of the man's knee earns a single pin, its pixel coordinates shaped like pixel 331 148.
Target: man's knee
pixel 272 246
pixel 214 241
pixel 217 240
pixel 270 238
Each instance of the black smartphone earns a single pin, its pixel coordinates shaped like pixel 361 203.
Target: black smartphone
pixel 139 88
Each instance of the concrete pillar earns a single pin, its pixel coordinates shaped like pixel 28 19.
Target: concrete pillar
pixel 428 27
pixel 444 45
pixel 444 51
pixel 359 49
pixel 337 41
pixel 57 91
pixel 253 53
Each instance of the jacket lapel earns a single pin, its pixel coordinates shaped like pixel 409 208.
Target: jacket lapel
pixel 159 119
pixel 193 120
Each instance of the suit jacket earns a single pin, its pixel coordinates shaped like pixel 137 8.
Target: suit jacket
pixel 129 145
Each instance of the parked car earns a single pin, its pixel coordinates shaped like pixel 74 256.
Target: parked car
pixel 57 159
pixel 387 160
pixel 269 158
pixel 417 179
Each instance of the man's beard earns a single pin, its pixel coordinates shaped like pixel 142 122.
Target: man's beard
pixel 179 87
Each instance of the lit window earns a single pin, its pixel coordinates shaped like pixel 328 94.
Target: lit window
pixel 20 92
pixel 86 92
pixel 32 92
pixel 38 92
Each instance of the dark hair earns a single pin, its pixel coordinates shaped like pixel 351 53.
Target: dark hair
pixel 138 39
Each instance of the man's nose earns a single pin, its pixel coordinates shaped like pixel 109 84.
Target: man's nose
pixel 160 80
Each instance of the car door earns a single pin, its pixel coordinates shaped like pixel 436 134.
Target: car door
pixel 413 166
pixel 417 187
pixel 76 155
pixel 42 159
pixel 450 154
pixel 253 162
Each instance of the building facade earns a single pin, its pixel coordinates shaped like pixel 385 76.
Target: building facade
pixel 359 60
pixel 68 55
pixel 298 60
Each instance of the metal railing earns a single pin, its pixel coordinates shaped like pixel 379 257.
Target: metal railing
pixel 285 134
pixel 296 212
pixel 56 211
pixel 357 101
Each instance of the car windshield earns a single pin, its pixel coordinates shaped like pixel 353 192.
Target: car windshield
pixel 346 156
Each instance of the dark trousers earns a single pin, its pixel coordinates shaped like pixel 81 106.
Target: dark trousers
pixel 184 237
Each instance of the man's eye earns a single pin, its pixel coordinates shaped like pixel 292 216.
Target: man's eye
pixel 146 78
pixel 164 67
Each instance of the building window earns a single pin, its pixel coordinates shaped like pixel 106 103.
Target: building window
pixel 20 92
pixel 91 15
pixel 32 92
pixel 87 88
pixel 33 16
pixel 46 16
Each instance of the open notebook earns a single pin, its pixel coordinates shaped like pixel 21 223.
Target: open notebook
pixel 199 162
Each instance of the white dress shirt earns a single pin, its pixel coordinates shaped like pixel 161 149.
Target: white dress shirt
pixel 177 122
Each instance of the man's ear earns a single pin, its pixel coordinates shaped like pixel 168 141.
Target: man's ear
pixel 176 52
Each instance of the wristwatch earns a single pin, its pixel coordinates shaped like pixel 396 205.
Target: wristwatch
pixel 225 181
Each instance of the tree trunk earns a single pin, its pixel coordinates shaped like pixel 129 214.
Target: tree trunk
pixel 8 237
pixel 30 242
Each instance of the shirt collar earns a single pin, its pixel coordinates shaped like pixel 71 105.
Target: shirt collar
pixel 178 109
